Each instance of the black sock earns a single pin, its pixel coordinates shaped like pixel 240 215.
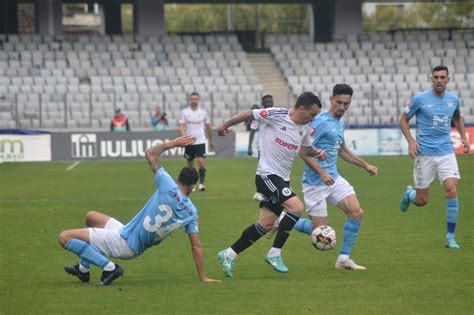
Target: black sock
pixel 249 236
pixel 286 225
pixel 202 175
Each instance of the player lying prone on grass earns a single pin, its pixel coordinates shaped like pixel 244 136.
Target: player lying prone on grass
pixel 168 209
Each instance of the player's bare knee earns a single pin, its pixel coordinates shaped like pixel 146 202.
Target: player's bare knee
pixel 90 217
pixel 451 192
pixel 420 202
pixel 63 238
pixel 267 225
pixel 357 214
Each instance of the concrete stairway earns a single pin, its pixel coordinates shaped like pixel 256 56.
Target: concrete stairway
pixel 272 79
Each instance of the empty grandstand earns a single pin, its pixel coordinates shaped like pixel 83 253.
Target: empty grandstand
pixel 51 80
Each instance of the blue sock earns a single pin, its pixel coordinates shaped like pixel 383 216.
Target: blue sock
pixel 304 226
pixel 351 230
pixel 85 251
pixel 412 195
pixel 452 211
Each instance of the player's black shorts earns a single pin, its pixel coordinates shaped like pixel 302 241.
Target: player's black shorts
pixel 275 191
pixel 194 150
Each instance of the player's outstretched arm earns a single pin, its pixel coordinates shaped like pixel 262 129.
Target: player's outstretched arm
pixel 153 154
pixel 350 157
pixel 198 255
pixel 458 120
pixel 223 128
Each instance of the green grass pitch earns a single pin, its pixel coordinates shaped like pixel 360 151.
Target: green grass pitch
pixel 409 270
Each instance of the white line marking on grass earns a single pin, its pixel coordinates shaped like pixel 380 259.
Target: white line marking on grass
pixel 73 165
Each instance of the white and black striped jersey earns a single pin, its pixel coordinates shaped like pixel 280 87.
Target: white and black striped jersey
pixel 280 141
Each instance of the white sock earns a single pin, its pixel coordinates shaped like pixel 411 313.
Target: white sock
pixel 83 269
pixel 231 253
pixel 274 252
pixel 109 267
pixel 342 258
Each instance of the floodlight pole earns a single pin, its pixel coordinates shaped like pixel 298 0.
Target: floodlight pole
pixel 229 17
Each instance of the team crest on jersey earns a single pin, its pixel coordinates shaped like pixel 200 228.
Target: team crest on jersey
pixel 301 132
pixel 264 113
pixel 313 131
pixel 450 104
pixel 286 191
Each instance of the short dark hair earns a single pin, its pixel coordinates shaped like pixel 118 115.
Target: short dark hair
pixel 194 93
pixel 267 99
pixel 307 99
pixel 440 68
pixel 342 89
pixel 188 176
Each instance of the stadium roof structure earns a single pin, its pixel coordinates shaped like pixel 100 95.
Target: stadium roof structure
pixel 328 18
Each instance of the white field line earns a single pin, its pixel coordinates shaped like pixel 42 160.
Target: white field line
pixel 73 165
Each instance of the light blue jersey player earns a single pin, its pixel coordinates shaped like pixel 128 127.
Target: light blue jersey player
pixel 322 183
pixel 329 136
pixel 433 151
pixel 168 209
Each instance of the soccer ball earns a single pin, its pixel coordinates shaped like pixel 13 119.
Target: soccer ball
pixel 323 237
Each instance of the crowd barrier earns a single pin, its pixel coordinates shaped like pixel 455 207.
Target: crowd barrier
pixel 65 146
pixel 369 141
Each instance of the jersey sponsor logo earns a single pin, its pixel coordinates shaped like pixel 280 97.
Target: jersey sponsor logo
pixel 175 196
pixel 195 122
pixel 286 145
pixel 283 128
pixel 441 120
pixel 313 131
pixel 286 191
pixel 264 113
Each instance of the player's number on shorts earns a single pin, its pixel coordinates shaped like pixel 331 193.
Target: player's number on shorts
pixel 163 216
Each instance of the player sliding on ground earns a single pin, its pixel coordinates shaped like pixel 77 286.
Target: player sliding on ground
pixel 168 209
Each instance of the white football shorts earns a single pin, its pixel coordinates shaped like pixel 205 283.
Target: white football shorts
pixel 427 167
pixel 315 197
pixel 108 241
